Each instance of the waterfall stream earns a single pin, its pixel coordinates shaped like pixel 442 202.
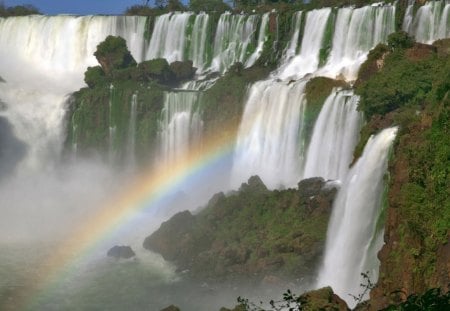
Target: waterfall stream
pixel 349 249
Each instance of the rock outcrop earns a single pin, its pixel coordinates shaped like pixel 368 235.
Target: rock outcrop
pixel 253 232
pixel 121 252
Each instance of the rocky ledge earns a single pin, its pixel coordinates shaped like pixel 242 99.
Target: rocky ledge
pixel 253 232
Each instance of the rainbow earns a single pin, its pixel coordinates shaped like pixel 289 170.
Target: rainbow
pixel 148 189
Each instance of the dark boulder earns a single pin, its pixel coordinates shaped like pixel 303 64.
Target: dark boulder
pixel 119 252
pixel 172 240
pixel 182 70
pixel 171 308
pixel 254 184
pixel 322 299
pixel 156 69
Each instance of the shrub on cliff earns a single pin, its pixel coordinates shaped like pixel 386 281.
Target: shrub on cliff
pixel 94 76
pixel 113 54
pixel 208 6
pixel 400 40
pixel 155 69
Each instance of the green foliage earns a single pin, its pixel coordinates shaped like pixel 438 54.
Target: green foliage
pixel 142 10
pixel 157 69
pixel 400 82
pixel 400 40
pixel 208 6
pixel 290 301
pixel 249 233
pixel 18 10
pixel 113 54
pixel 432 300
pixel 94 76
pixel 411 90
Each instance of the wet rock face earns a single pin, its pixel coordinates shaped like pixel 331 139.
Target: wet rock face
pixel 12 150
pixel 121 252
pixel 251 233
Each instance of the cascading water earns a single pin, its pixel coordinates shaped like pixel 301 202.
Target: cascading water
pixel 169 37
pixel 180 125
pixel 334 137
pixel 233 36
pixel 53 53
pixel 356 32
pixel 112 126
pixel 131 139
pixel 352 243
pixel 260 43
pixel 270 133
pixel 293 42
pixel 409 15
pixel 307 61
pixel 197 51
pixel 431 22
pixel 271 140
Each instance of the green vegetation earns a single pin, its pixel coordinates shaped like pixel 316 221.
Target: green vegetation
pixel 405 76
pixel 252 233
pixel 208 6
pixel 407 85
pixel 432 300
pixel 113 54
pixel 18 10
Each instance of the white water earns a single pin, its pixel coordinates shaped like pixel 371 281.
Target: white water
pixel 334 137
pixel 198 42
pixel 409 15
pixel 293 42
pixel 131 139
pixel 431 22
pixel 180 125
pixel 269 135
pixel 42 60
pixel 356 32
pixel 233 35
pixel 271 140
pixel 350 247
pixel 261 40
pixel 169 37
pixel 307 61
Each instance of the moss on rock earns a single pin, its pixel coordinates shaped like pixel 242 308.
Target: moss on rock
pixel 250 233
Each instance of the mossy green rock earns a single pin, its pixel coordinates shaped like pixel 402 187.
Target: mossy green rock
pixel 156 69
pixel 322 299
pixel 112 53
pixel 252 233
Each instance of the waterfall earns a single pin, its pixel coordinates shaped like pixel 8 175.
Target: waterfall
pixel 409 15
pixel 271 139
pixel 112 126
pixel 169 37
pixel 356 32
pixel 293 42
pixel 42 59
pixel 334 138
pixel 197 52
pixel 261 40
pixel 350 249
pixel 234 34
pixel 307 61
pixel 270 134
pixel 431 22
pixel 180 125
pixel 131 139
